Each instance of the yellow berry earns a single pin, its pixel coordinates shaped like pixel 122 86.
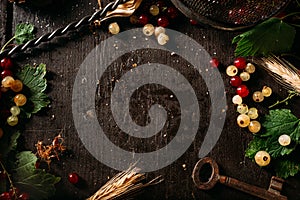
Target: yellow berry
pixel 15 110
pixel 8 81
pixel 245 76
pixel 12 120
pixel 237 99
pixel 254 127
pixel 134 19
pixel 148 29
pixel 242 108
pixel 243 120
pixel 20 99
pixel 154 10
pixel 266 91
pixel 159 30
pixel 258 96
pixel 250 68
pixel 253 113
pixel 262 158
pixel 17 86
pixel 232 70
pixel 114 28
pixel 284 140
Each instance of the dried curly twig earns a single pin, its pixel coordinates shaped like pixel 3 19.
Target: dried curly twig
pixel 124 184
pixel 46 152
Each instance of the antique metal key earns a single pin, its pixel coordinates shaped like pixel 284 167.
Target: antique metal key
pixel 273 193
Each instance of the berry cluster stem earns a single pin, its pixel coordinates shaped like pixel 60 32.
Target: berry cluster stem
pixel 9 179
pixel 289 97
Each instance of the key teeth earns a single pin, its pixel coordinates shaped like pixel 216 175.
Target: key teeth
pixel 276 185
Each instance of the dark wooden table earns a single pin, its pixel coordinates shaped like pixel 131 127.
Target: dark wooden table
pixel 64 57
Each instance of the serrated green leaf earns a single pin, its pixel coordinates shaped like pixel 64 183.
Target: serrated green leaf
pixel 38 183
pixel 271 36
pixel 257 144
pixel 34 79
pixel 280 122
pixel 276 150
pixel 286 168
pixel 24 33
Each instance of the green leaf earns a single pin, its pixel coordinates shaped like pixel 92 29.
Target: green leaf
pixel 24 33
pixel 280 122
pixel 257 144
pixel 271 36
pixel 8 142
pixel 34 79
pixel 276 150
pixel 38 183
pixel 286 168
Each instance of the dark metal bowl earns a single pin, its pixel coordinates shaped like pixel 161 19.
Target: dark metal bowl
pixel 230 14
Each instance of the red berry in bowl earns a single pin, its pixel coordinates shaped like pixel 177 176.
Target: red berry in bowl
pixel 163 21
pixel 73 178
pixel 240 63
pixel 236 81
pixel 242 90
pixel 6 63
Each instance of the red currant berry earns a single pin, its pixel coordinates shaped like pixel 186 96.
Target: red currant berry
pixel 24 196
pixel 160 4
pixel 236 81
pixel 6 63
pixel 2 175
pixel 172 12
pixel 143 20
pixel 5 196
pixel 214 62
pixel 73 178
pixel 14 192
pixel 163 21
pixel 37 164
pixel 193 22
pixel 240 63
pixel 242 90
pixel 6 73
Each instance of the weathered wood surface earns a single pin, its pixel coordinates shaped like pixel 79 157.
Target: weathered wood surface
pixel 64 57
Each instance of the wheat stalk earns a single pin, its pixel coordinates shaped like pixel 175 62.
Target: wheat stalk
pixel 124 184
pixel 283 71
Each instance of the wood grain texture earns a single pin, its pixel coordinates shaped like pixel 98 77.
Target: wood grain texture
pixel 64 57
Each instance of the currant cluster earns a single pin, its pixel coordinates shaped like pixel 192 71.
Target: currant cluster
pixel 13 193
pixel 158 14
pixel 11 86
pixel 248 116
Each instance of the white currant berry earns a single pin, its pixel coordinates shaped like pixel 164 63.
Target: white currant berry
pixel 262 158
pixel 284 140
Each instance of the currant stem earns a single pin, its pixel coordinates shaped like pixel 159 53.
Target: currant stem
pixel 290 14
pixel 289 97
pixel 9 179
pixel 7 43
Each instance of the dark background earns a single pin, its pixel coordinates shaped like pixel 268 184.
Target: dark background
pixel 63 58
